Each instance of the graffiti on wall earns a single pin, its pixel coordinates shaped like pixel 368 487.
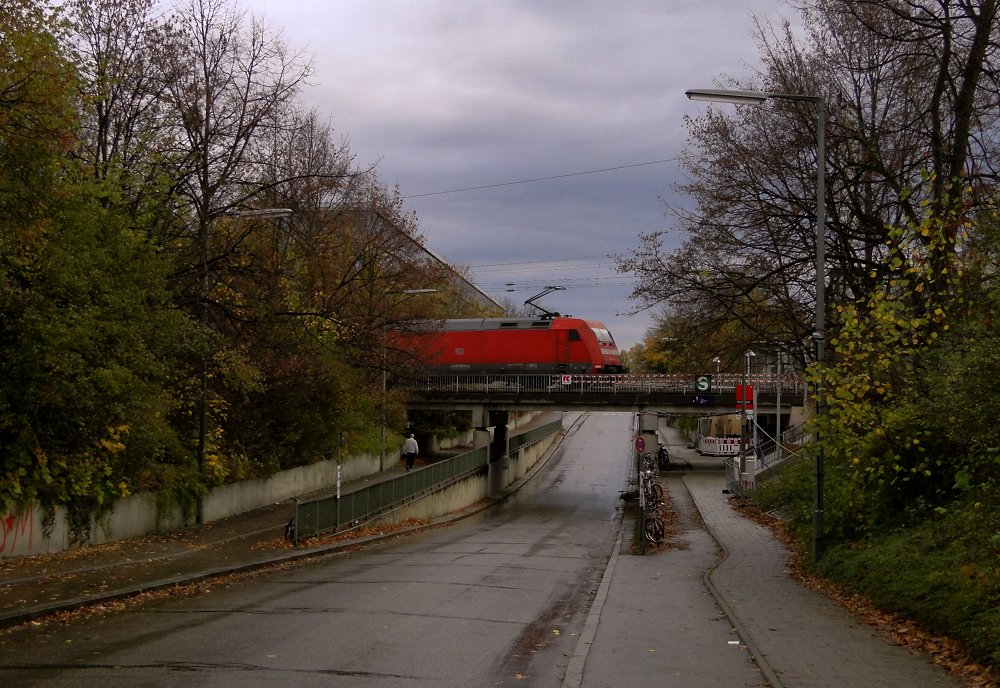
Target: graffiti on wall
pixel 16 529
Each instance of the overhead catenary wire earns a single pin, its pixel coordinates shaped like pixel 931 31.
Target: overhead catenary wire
pixel 547 267
pixel 510 273
pixel 525 275
pixel 535 180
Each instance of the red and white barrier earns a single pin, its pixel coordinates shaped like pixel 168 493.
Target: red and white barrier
pixel 719 446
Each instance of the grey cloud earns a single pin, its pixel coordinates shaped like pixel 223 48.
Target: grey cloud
pixel 449 95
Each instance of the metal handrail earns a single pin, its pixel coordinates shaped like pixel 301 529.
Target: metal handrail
pixel 330 514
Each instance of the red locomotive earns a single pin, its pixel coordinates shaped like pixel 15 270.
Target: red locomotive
pixel 557 345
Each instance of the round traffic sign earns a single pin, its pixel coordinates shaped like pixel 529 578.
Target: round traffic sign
pixel 640 444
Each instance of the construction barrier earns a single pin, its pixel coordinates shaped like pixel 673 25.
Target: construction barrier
pixel 719 446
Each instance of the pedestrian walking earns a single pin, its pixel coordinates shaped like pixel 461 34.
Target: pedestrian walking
pixel 410 451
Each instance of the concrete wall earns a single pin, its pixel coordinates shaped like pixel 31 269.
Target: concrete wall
pixel 140 514
pixel 520 462
pixel 237 498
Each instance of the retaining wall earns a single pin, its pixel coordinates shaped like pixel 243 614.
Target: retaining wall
pixel 140 514
pixel 22 531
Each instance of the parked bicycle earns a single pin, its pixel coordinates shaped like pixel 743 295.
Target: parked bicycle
pixel 651 490
pixel 662 457
pixel 649 462
pixel 654 528
pixel 651 504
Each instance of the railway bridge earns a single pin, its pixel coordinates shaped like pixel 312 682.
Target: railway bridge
pixel 675 394
pixel 490 398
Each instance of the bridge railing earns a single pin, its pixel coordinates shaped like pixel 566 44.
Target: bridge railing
pixel 580 384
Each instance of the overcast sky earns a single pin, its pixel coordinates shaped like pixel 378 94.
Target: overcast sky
pixel 452 95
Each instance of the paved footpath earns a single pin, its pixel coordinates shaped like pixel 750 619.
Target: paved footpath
pixel 655 623
pixel 800 637
pixel 720 608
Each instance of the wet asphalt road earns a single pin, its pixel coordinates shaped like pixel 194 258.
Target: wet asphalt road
pixel 499 599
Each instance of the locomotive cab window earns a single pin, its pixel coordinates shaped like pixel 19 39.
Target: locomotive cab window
pixel 574 336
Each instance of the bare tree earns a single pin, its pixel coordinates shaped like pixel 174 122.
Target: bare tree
pixel 119 45
pixel 894 95
pixel 228 82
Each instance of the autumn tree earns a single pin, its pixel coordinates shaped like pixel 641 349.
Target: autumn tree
pixel 86 325
pixel 120 48
pixel 198 279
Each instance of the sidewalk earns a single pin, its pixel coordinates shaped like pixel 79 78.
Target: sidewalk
pixel 798 636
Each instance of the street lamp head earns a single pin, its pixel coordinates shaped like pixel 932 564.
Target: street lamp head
pixel 735 97
pixel 727 96
pixel 262 212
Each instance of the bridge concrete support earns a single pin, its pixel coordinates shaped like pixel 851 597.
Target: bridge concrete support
pixel 498 452
pixel 481 437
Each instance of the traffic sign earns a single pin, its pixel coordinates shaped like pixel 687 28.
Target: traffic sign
pixel 640 444
pixel 744 397
pixel 703 383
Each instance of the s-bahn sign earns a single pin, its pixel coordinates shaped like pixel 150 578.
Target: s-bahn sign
pixel 703 384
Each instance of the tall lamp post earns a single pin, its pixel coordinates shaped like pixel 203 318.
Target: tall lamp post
pixel 743 411
pixel 753 399
pixel 757 98
pixel 203 402
pixel 385 334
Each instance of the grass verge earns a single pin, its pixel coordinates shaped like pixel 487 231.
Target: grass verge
pixel 937 579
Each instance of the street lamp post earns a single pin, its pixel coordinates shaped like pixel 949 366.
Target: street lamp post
pixel 757 98
pixel 385 334
pixel 743 413
pixel 203 402
pixel 754 437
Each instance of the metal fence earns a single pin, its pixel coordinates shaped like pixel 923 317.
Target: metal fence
pixel 529 437
pixel 330 514
pixel 768 459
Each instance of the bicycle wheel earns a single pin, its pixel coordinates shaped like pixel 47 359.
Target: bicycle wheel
pixel 656 491
pixel 653 528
